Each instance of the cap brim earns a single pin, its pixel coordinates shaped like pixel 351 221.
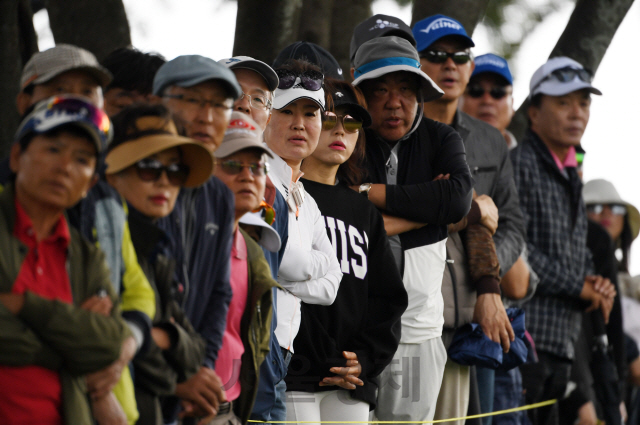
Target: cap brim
pixel 102 75
pixel 356 111
pixel 194 155
pixel 284 97
pixel 232 88
pixel 430 90
pixel 557 88
pixel 226 149
pixel 269 238
pixel 261 68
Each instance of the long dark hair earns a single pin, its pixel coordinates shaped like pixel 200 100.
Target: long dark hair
pixel 624 244
pixel 352 171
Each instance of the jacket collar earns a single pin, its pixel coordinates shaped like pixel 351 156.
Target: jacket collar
pixel 460 124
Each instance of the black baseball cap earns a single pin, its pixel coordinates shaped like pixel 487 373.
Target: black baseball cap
pixel 347 98
pixel 378 26
pixel 314 54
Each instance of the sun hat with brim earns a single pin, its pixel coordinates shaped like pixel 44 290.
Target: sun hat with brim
pixel 242 133
pixel 385 55
pixel 269 237
pixel 191 70
pixel 283 97
pixel 347 99
pixel 67 110
pixel 600 191
pixel 44 66
pixel 541 82
pixel 246 62
pixel 155 134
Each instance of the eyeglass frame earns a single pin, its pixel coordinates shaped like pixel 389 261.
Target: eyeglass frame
pixel 267 106
pixel 200 103
pixel 265 167
pixel 491 92
pixel 163 169
pixel 577 72
pixel 340 119
pixel 440 53
pixel 599 208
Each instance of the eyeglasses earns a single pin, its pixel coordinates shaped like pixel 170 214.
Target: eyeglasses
pixel 256 101
pixel 567 74
pixel 269 212
pixel 150 170
pixel 438 56
pixel 310 80
pixel 616 209
pixel 350 124
pixel 496 92
pixel 195 103
pixel 233 167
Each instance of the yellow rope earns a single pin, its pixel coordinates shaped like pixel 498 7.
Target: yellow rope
pixel 482 415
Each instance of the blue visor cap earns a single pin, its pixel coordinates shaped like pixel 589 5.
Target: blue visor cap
pixel 429 30
pixel 494 64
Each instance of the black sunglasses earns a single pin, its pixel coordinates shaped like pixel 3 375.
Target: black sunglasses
pixel 233 167
pixel 497 92
pixel 567 74
pixel 350 124
pixel 438 56
pixel 310 80
pixel 151 170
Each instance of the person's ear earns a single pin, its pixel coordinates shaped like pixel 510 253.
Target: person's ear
pixel 92 183
pixel 23 101
pixel 14 157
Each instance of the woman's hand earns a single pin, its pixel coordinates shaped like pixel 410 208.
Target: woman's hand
pixel 347 376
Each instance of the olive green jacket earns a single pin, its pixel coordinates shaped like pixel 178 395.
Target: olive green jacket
pixel 53 334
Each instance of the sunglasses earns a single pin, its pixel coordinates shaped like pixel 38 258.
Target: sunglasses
pixel 150 170
pixel 438 56
pixel 350 124
pixel 616 209
pixel 565 75
pixel 269 213
pixel 309 80
pixel 497 92
pixel 233 167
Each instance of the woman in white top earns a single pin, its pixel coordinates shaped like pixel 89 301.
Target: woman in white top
pixel 309 271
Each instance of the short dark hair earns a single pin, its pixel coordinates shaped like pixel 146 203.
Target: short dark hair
pixel 133 69
pixel 352 171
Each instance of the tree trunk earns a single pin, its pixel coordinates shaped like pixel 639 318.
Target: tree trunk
pixel 264 28
pixel 467 12
pixel 315 22
pixel 18 42
pixel 585 39
pixel 346 15
pixel 99 26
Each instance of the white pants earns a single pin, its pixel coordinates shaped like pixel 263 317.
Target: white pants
pixel 325 406
pixel 409 386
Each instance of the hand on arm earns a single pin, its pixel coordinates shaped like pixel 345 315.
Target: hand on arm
pixel 396 225
pixel 489 312
pixel 600 292
pixel 204 391
pixel 13 302
pixel 348 375
pixel 515 282
pixel 100 383
pixel 377 194
pixel 108 411
pixel 488 212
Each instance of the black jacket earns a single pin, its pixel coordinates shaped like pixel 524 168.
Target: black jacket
pixel 365 316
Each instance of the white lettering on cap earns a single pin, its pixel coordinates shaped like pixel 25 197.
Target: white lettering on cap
pixel 490 61
pixel 441 23
pixel 380 24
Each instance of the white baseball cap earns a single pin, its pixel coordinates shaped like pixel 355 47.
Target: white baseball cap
pixel 560 76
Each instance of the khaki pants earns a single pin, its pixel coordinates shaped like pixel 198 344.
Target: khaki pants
pixel 453 400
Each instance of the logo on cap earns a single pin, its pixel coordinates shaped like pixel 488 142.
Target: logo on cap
pixel 380 24
pixel 232 60
pixel 440 24
pixel 339 94
pixel 488 60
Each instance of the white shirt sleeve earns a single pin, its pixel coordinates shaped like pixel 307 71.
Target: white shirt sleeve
pixel 312 273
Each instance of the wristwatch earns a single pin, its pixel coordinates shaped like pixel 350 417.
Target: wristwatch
pixel 364 189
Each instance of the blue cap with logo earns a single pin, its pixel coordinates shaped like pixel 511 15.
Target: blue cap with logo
pixel 494 64
pixel 433 28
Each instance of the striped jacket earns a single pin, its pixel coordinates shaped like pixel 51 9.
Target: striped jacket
pixel 556 223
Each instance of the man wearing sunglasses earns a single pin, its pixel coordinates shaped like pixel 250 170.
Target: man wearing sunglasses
pixel 489 94
pixel 200 93
pixel 445 56
pixel 556 223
